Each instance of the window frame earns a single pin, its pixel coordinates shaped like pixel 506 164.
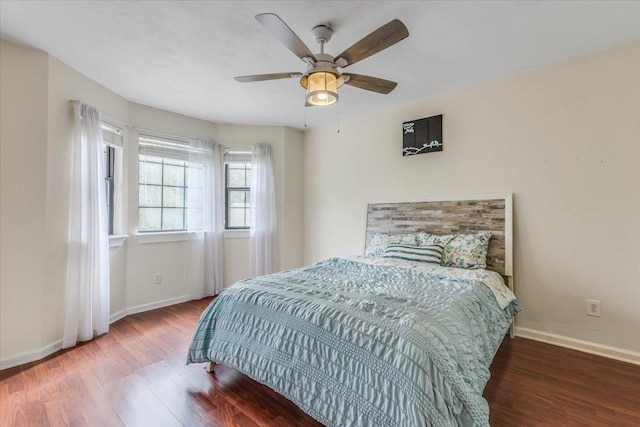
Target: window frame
pixel 109 178
pixel 162 161
pixel 228 189
pixel 113 141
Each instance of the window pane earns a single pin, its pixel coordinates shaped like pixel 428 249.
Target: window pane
pixel 149 173
pixel 172 219
pixel 236 217
pixel 105 160
pixel 173 197
pixel 173 175
pixel 148 219
pixel 109 172
pixel 236 178
pixel 238 175
pixel 150 196
pixel 162 194
pixel 236 198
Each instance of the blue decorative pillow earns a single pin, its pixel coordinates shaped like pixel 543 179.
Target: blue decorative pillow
pixel 428 254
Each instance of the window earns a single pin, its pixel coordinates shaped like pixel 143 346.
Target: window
pixel 112 157
pixel 237 179
pixel 109 171
pixel 237 200
pixel 162 194
pixel 162 184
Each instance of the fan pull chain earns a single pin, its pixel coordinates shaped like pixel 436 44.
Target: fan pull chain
pixel 337 119
pixel 305 117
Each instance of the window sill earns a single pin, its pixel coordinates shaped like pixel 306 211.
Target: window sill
pixel 116 241
pixel 168 236
pixel 235 234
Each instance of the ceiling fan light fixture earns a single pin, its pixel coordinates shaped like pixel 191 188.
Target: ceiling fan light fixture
pixel 321 79
pixel 322 88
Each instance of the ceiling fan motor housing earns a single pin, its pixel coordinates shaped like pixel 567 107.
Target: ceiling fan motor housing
pixel 322 33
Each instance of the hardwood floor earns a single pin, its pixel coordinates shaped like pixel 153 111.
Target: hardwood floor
pixel 136 376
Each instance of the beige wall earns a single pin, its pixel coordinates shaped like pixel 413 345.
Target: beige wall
pixel 65 84
pixel 23 169
pixel 236 264
pixel 37 120
pixel 291 255
pixel 564 138
pixel 175 260
pixel 286 149
pixel 36 89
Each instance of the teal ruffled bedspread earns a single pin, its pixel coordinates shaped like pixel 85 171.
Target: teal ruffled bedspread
pixel 354 344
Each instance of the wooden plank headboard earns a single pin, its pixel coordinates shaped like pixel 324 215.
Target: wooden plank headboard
pixel 450 215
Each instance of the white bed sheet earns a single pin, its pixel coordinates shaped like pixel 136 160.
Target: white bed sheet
pixel 491 279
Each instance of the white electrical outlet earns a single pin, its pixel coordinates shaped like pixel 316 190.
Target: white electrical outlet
pixel 593 308
pixel 157 278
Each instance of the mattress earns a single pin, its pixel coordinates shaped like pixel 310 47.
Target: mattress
pixel 356 343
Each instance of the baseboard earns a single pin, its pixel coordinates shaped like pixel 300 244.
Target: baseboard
pixel 49 349
pixel 31 356
pixel 157 304
pixel 117 316
pixel 580 345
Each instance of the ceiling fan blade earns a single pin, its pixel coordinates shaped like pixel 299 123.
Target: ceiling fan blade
pixel 385 36
pixel 287 37
pixel 263 77
pixel 373 84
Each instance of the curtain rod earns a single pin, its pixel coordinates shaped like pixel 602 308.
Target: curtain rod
pixel 161 133
pixel 106 116
pixel 139 128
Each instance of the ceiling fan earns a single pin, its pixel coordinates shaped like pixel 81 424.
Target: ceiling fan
pixel 322 78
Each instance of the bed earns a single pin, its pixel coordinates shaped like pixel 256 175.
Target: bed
pixel 376 341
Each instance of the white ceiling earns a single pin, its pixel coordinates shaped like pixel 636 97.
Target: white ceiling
pixel 182 56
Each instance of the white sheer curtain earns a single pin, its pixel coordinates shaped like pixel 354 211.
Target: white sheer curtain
pixel 87 298
pixel 205 212
pixel 263 234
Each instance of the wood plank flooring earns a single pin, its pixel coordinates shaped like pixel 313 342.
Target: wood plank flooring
pixel 136 376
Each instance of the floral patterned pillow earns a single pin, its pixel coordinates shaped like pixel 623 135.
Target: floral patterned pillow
pixel 467 251
pixel 379 242
pixel 427 239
